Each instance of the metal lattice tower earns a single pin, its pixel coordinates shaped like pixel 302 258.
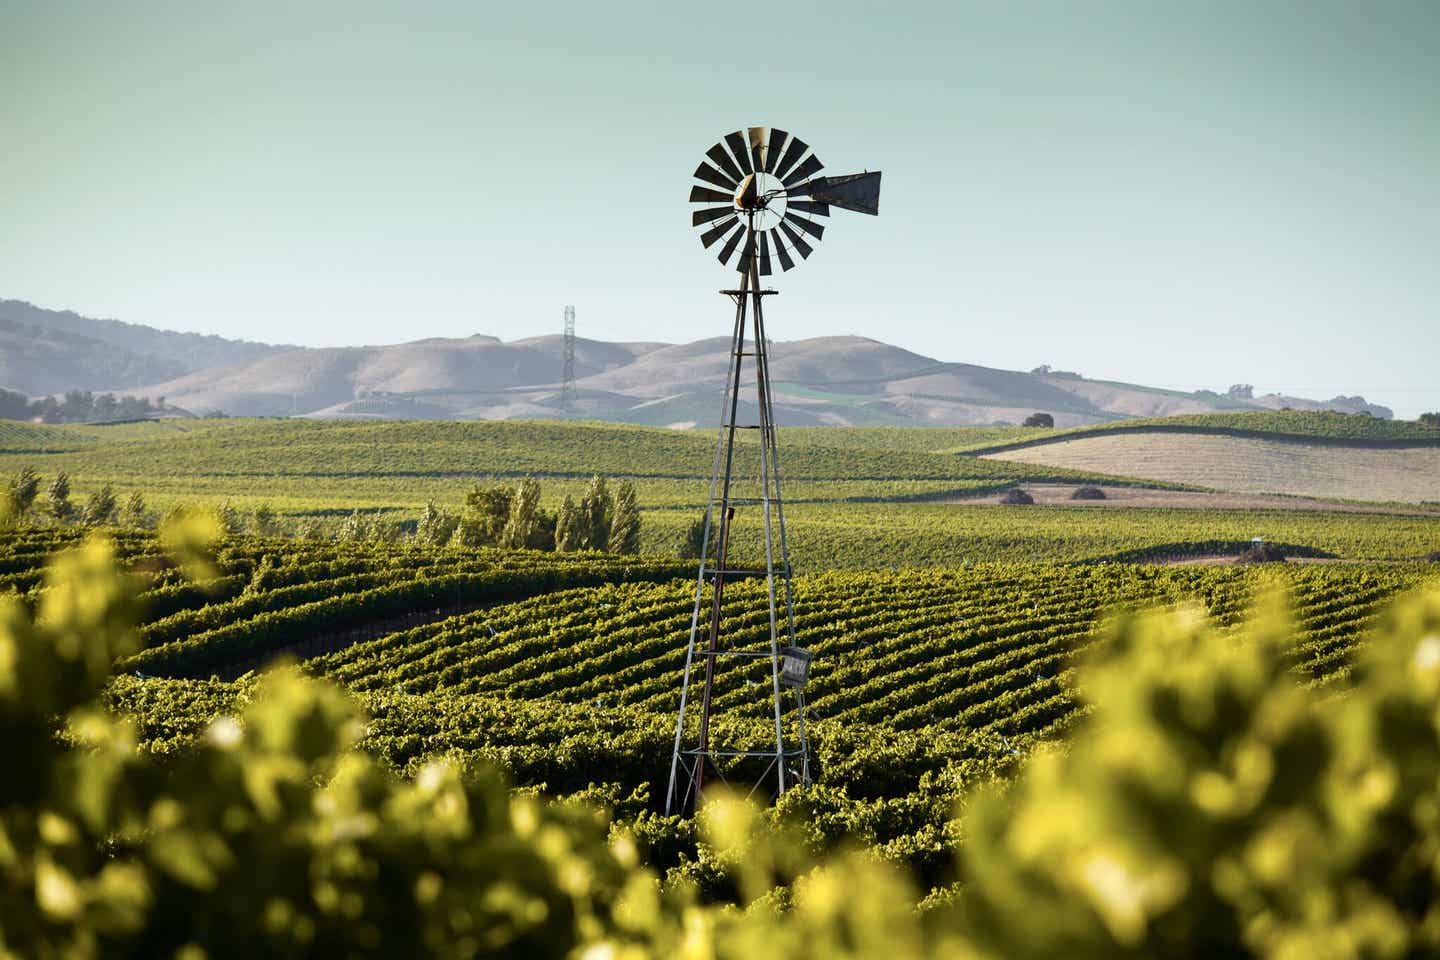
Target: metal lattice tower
pixel 771 189
pixel 567 381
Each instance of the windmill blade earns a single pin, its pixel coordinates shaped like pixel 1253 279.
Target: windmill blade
pixel 708 238
pixel 859 192
pixel 721 159
pixel 765 255
pixel 809 168
pixel 710 175
pixel 758 136
pixel 714 213
pixel 747 252
pixel 796 241
pixel 793 151
pixel 810 227
pixel 706 195
pixel 809 206
pixel 736 143
pixel 772 152
pixel 785 262
pixel 730 245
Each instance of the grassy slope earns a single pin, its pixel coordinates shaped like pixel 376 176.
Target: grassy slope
pixel 330 468
pixel 306 465
pixel 1339 428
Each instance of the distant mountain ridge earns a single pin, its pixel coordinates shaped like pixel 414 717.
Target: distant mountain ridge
pixel 844 380
pixel 51 351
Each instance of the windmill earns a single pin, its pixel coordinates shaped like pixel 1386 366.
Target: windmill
pixel 763 197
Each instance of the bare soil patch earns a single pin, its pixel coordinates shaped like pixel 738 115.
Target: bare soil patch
pixel 1251 466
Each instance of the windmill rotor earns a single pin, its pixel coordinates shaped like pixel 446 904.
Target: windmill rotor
pixel 764 197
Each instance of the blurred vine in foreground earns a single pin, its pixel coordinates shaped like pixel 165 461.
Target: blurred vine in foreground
pixel 1208 806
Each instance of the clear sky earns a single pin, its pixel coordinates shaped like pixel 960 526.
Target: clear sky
pixel 1176 194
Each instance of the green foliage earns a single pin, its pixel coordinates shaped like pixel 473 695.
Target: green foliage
pixel 596 508
pixel 624 534
pixel 23 489
pixel 487 510
pixel 100 509
pixel 135 514
pixel 569 527
pixel 1212 807
pixel 520 527
pixel 264 521
pixel 57 498
pixel 436 527
pixel 1431 420
pixel 1311 425
pixel 1206 805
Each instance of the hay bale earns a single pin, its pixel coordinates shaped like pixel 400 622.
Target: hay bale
pixel 1261 553
pixel 1088 493
pixel 1016 497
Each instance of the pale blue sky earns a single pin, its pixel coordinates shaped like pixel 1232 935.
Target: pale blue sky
pixel 1182 195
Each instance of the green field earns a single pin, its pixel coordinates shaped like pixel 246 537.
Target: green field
pixel 948 638
pixel 858 497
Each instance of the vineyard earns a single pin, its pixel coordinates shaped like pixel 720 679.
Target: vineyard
pixel 949 636
pixel 561 669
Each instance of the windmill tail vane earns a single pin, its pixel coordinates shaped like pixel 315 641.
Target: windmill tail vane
pixel 762 196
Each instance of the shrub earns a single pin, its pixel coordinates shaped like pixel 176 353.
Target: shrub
pixel 1088 493
pixel 1016 497
pixel 1039 420
pixel 1261 552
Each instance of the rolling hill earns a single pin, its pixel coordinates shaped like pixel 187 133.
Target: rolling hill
pixel 844 380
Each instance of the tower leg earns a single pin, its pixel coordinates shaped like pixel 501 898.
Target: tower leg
pixel 688 767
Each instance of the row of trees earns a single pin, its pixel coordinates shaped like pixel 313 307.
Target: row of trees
pixel 492 516
pixel 77 406
pixel 21 503
pixel 502 516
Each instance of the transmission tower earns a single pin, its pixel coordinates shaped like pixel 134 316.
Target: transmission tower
pixel 567 382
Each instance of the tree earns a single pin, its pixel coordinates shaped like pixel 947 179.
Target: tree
pixel 1431 420
pixel 24 488
pixel 57 498
pixel 135 514
pixel 230 519
pixel 624 534
pixel 596 509
pixel 14 406
pixel 519 527
pixel 436 526
pixel 487 510
pixel 569 532
pixel 266 523
pixel 1241 391
pixel 1040 420
pixel 542 533
pixel 100 508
